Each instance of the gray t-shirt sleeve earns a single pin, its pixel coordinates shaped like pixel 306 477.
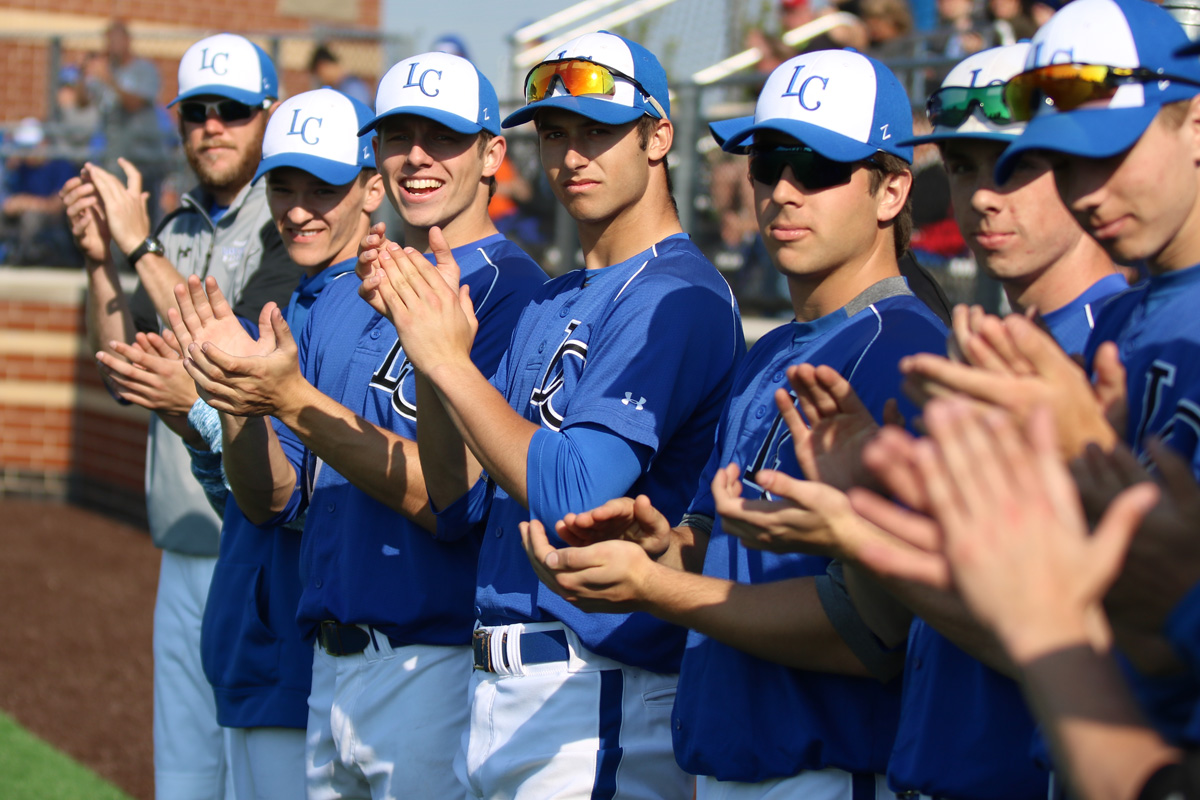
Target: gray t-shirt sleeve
pixel 882 662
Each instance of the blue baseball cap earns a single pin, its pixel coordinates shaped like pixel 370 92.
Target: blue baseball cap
pixel 843 104
pixel 439 86
pixel 991 67
pixel 1132 34
pixel 228 65
pixel 317 132
pixel 627 103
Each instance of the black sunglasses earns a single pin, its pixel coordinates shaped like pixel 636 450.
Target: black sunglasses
pixel 228 110
pixel 811 169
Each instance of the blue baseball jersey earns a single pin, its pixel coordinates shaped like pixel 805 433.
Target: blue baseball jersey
pixel 1159 345
pixel 954 707
pixel 1072 324
pixel 360 561
pixel 645 350
pixel 738 717
pixel 251 649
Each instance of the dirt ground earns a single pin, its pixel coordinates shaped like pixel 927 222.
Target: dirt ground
pixel 77 593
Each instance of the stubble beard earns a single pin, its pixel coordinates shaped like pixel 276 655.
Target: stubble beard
pixel 223 179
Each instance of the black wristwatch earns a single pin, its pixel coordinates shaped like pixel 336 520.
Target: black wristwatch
pixel 150 245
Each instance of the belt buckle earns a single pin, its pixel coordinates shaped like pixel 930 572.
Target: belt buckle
pixel 481 649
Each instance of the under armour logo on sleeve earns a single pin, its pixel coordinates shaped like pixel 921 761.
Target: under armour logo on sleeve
pixel 638 404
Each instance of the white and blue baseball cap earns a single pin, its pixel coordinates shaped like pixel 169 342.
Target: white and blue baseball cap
pixel 843 104
pixel 228 65
pixel 317 132
pixel 438 86
pixel 1132 34
pixel 993 67
pixel 640 88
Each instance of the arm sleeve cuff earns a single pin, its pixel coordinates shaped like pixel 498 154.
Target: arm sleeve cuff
pixel 882 662
pixel 465 515
pixel 700 522
pixel 205 421
pixel 579 468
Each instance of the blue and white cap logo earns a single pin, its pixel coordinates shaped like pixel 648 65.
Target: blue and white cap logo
pixel 1132 34
pixel 842 104
pixel 317 132
pixel 992 67
pixel 627 103
pixel 228 65
pixel 441 87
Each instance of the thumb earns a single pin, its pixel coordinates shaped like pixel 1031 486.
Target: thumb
pixel 133 177
pixel 442 255
pixel 1110 375
pixel 281 331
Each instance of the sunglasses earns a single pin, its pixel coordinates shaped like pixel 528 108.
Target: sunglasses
pixel 951 106
pixel 1069 86
pixel 810 168
pixel 228 110
pixel 580 78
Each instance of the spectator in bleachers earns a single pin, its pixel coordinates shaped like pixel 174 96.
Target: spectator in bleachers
pixel 449 43
pixel 76 114
pixel 888 22
pixel 327 70
pixel 1011 21
pixel 128 90
pixel 793 14
pixel 33 226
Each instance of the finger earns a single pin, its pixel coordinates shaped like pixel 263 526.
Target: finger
pixel 891 413
pixel 939 372
pixel 1044 354
pixel 1110 543
pixel 884 558
pixel 200 302
pixel 216 299
pixel 803 381
pixel 230 365
pixel 138 356
pixel 811 495
pixel 443 256
pixel 537 544
pixel 133 176
pixel 909 527
pixel 398 278
pixel 163 345
pixel 845 399
pixel 178 325
pixel 280 332
pixel 994 336
pixel 791 417
pixel 1176 474
pixel 890 457
pixel 117 367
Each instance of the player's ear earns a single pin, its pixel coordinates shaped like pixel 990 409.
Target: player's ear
pixel 1192 123
pixel 493 155
pixel 892 194
pixel 373 193
pixel 661 138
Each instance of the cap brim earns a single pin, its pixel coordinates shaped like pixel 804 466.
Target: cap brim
pixel 605 111
pixel 220 90
pixel 950 136
pixel 833 146
pixel 335 173
pixel 451 121
pixel 1086 133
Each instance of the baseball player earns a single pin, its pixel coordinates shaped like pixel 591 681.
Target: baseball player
pixel 782 693
pixel 1127 170
pixel 322 188
pixel 388 605
pixel 612 384
pixel 227 86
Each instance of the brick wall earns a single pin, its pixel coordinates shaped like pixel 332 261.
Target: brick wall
pixel 162 30
pixel 61 435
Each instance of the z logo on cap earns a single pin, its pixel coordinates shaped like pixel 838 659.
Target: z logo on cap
pixel 303 132
pixel 792 91
pixel 205 63
pixel 419 83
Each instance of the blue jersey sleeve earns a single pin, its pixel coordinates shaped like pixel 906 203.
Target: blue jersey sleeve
pixel 578 469
pixel 659 350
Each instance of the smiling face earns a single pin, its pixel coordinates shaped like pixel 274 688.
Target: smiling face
pixel 1141 204
pixel 320 223
pixel 224 155
pixel 1018 230
pixel 436 176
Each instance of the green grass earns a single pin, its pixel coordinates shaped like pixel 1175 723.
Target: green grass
pixel 31 769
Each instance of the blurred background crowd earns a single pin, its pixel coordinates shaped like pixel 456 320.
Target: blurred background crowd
pixel 108 100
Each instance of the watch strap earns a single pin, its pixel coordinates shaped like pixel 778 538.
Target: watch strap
pixel 149 245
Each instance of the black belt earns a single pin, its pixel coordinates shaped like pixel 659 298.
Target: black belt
pixel 337 639
pixel 537 647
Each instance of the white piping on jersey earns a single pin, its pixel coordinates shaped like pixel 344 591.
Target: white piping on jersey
pixel 878 331
pixel 631 277
pixel 1087 309
pixel 495 278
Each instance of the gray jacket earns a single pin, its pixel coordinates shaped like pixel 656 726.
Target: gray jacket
pixel 244 253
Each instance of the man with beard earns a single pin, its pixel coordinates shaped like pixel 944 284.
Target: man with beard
pixel 223 228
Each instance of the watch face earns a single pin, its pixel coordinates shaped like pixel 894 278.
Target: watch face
pixel 153 245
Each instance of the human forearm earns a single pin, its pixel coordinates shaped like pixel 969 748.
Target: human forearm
pixel 378 461
pixel 448 466
pixel 108 317
pixel 1097 734
pixel 496 434
pixel 781 621
pixel 258 471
